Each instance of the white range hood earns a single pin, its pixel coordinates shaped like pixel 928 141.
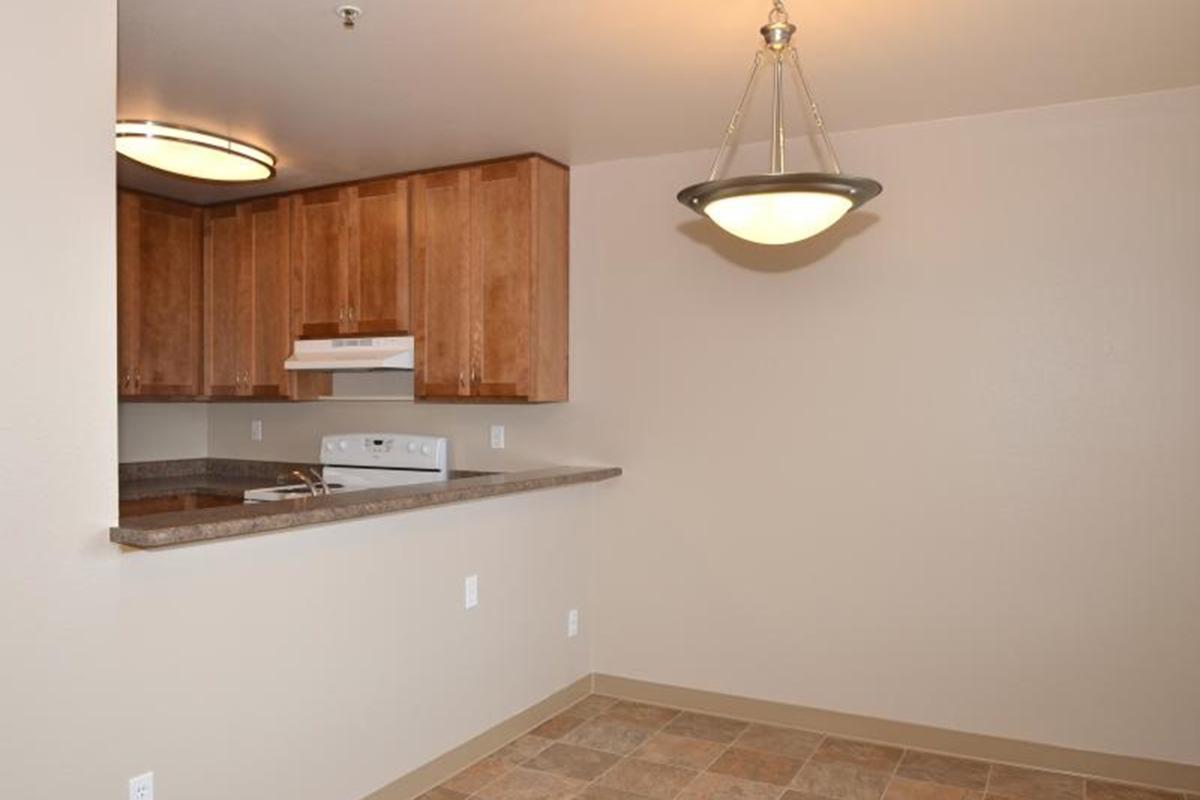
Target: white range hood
pixel 383 352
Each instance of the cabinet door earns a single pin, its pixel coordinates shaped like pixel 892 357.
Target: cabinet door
pixel 501 271
pixel 168 276
pixel 320 249
pixel 226 303
pixel 441 283
pixel 129 211
pixel 378 278
pixel 267 227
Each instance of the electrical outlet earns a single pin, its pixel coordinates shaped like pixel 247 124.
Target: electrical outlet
pixel 256 430
pixel 142 787
pixel 572 623
pixel 497 437
pixel 471 591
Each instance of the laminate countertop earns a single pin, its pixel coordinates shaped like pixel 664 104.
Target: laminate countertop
pixel 209 524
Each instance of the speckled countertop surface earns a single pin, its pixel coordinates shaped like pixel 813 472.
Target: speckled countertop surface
pixel 224 477
pixel 185 527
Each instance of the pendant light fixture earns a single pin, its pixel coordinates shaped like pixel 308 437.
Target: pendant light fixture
pixel 193 153
pixel 778 207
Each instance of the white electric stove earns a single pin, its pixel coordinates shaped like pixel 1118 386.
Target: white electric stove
pixel 352 462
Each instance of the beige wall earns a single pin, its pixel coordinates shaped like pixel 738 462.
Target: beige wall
pixel 314 665
pixel 939 466
pixel 156 431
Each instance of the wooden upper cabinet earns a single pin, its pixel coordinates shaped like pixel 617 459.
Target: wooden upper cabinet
pixel 441 277
pixel 501 270
pixel 226 303
pixel 350 252
pixel 267 242
pixel 320 259
pixel 247 281
pixel 490 281
pixel 158 297
pixel 378 277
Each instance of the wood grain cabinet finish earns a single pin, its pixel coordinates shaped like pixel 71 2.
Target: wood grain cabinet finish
pixel 350 260
pixel 158 297
pixel 489 269
pixel 247 283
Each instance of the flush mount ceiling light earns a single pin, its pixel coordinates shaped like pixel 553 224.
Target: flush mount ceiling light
pixel 193 153
pixel 779 207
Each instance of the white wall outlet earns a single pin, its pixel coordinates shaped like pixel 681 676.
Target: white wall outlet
pixel 471 591
pixel 497 437
pixel 572 623
pixel 142 787
pixel 256 430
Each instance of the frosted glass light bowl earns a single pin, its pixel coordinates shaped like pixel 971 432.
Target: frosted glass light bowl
pixel 778 209
pixel 192 153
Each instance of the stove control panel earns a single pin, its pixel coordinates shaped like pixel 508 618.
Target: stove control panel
pixel 386 450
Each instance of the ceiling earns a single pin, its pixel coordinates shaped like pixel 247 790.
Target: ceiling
pixel 421 83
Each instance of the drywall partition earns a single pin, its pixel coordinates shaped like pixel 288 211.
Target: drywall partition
pixel 938 465
pixel 321 663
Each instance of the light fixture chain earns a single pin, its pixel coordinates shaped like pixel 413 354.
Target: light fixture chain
pixel 736 119
pixel 816 112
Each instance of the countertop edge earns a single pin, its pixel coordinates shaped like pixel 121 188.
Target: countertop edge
pixel 189 527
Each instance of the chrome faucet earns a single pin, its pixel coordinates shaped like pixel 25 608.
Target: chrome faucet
pixel 306 480
pixel 320 479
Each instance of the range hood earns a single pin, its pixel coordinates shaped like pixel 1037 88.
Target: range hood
pixel 383 352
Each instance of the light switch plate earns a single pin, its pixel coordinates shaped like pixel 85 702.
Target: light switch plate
pixel 572 623
pixel 256 430
pixel 497 437
pixel 471 592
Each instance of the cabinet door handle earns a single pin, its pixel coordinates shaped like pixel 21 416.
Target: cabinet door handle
pixel 126 380
pixel 341 314
pixel 137 381
pixel 351 313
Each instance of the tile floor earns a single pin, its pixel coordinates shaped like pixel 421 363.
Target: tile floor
pixel 608 749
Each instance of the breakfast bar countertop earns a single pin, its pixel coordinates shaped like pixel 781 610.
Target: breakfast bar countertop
pixel 208 524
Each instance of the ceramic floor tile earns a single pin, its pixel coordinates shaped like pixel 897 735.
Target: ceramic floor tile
pixel 604 793
pixel 790 742
pixel 645 778
pixel 840 781
pixel 591 706
pixel 642 715
pixel 934 768
pixel 442 793
pixel 477 775
pixel 875 757
pixel 703 726
pixel 906 789
pixel 603 748
pixel 557 727
pixel 713 786
pixel 1106 790
pixel 1034 784
pixel 756 765
pixel 679 751
pixel 528 784
pixel 523 749
pixel 608 734
pixel 572 762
